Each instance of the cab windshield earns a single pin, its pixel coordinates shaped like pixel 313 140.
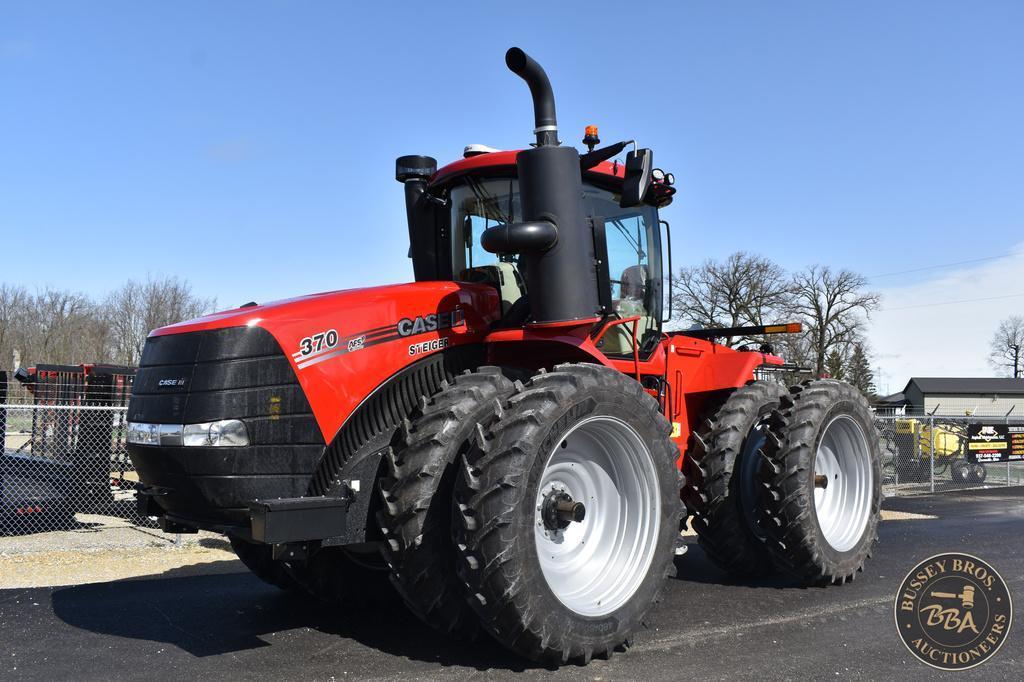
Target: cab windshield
pixel 633 267
pixel 477 205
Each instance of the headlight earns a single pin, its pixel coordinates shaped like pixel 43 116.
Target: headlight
pixel 143 434
pixel 226 432
pixel 223 433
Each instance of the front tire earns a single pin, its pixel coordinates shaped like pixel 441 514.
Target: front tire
pixel 821 473
pixel 568 514
pixel 416 517
pixel 344 577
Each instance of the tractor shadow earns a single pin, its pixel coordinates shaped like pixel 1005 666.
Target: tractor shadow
pixel 696 567
pixel 229 613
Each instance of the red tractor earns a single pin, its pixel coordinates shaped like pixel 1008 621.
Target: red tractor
pixel 511 440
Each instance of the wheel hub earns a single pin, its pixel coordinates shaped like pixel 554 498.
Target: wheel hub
pixel 843 483
pixel 559 510
pixel 597 516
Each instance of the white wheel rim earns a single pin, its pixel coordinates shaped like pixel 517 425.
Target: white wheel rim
pixel 843 505
pixel 594 566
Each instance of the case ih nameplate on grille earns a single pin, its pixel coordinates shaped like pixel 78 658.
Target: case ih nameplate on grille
pixel 327 344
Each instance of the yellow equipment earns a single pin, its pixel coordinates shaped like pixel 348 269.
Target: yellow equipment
pixel 944 438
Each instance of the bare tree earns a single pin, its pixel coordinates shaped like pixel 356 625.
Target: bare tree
pixel 1007 347
pixel 13 305
pixel 833 307
pixel 59 326
pixel 137 308
pixel 743 290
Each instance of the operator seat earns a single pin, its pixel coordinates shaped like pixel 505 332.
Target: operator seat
pixel 502 276
pixel 631 303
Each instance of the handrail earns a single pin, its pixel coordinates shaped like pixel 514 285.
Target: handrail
pixel 636 348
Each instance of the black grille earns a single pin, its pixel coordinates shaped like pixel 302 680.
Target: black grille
pixel 236 373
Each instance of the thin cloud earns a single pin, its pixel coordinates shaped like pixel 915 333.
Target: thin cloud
pixel 941 326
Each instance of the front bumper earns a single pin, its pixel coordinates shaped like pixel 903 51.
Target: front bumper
pixel 273 522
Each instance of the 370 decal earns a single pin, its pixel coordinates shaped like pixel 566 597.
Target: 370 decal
pixel 318 342
pixel 327 344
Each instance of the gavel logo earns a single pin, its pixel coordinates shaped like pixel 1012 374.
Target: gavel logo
pixel 966 597
pixel 953 611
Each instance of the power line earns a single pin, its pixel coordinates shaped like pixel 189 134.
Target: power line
pixel 966 300
pixel 942 265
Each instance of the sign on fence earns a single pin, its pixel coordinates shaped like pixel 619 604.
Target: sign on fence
pixel 988 443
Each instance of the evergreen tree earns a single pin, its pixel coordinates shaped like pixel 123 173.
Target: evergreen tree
pixel 834 365
pixel 859 372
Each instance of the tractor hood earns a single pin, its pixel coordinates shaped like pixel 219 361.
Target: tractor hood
pixel 342 345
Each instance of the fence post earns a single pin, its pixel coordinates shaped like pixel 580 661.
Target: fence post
pixel 1009 450
pixel 3 411
pixel 931 455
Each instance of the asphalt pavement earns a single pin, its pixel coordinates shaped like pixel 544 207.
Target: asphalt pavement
pixel 217 625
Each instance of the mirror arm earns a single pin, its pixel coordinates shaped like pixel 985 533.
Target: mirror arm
pixel 591 159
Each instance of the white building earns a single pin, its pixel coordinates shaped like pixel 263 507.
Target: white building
pixel 957 397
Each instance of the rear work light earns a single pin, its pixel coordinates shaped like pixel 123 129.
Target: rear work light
pixel 222 433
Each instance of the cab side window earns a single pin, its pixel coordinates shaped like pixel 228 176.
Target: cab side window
pixel 632 240
pixel 628 265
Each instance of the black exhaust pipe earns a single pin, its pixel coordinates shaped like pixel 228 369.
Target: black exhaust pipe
pixel 555 243
pixel 545 126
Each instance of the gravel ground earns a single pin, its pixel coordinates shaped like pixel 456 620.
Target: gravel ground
pixel 103 548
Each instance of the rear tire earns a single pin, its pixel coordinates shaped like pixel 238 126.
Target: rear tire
pixel 723 481
pixel 259 560
pixel 818 533
pixel 959 471
pixel 416 518
pixel 553 592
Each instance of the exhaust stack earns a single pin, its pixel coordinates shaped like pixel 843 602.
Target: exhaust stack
pixel 545 125
pixel 555 241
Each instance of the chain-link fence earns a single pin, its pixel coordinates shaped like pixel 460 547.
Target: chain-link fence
pixel 63 450
pixel 930 453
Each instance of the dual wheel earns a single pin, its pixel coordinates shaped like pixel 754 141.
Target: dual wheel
pixel 544 513
pixel 787 481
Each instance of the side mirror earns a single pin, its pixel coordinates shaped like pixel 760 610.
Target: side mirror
pixel 639 163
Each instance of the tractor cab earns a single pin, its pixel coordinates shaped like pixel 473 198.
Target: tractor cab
pixel 481 192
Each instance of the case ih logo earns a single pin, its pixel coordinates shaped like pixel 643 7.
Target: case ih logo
pixel 170 382
pixel 431 323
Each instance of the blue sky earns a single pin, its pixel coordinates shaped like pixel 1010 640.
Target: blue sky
pixel 249 147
